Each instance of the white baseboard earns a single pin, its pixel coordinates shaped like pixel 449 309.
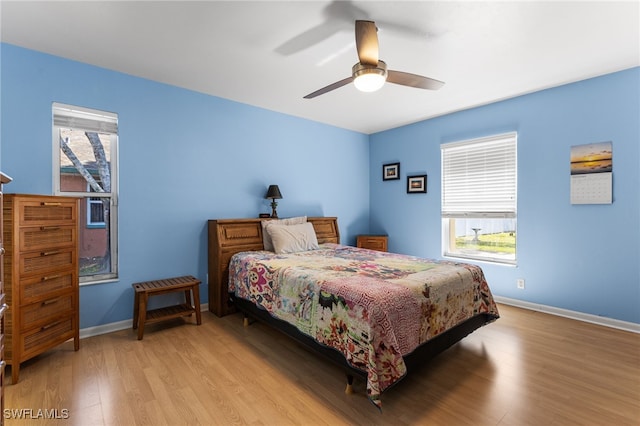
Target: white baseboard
pixel 594 319
pixel 117 326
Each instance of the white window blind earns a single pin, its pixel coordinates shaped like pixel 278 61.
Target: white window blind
pixel 84 118
pixel 479 177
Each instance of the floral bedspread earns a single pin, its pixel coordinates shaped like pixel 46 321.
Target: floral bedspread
pixel 373 307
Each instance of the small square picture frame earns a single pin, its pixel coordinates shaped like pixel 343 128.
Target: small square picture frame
pixel 417 184
pixel 391 171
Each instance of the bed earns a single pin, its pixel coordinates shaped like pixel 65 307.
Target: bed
pixel 378 315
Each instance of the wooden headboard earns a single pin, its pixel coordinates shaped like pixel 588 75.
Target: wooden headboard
pixel 230 236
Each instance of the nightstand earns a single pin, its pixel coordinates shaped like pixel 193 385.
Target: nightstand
pixel 372 242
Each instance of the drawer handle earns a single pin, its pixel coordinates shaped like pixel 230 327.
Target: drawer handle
pixel 44 203
pixel 2 251
pixel 49 228
pixel 50 277
pixel 49 253
pixel 48 326
pixel 49 302
pixel 3 309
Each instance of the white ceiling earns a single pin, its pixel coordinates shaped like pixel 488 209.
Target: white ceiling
pixel 483 51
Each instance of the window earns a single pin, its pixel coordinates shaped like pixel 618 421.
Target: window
pixel 85 160
pixel 479 185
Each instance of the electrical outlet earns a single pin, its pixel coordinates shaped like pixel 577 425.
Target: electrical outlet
pixel 207 279
pixel 520 283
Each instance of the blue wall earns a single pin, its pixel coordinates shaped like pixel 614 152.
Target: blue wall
pixel 185 157
pixel 578 257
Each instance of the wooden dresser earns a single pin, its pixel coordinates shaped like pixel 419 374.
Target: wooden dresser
pixel 230 236
pixel 41 275
pixel 4 179
pixel 372 242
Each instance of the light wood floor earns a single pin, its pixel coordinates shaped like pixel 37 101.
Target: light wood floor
pixel 527 368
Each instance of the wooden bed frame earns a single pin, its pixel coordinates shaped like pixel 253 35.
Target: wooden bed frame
pixel 230 236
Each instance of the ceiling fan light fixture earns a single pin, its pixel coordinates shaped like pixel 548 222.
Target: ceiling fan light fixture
pixel 369 78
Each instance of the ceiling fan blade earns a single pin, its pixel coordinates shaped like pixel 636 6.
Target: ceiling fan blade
pixel 329 88
pixel 367 42
pixel 413 80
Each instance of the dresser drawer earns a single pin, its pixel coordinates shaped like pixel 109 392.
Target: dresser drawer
pixel 42 237
pixel 46 310
pixel 50 211
pixel 44 262
pixel 42 285
pixel 372 242
pixel 39 339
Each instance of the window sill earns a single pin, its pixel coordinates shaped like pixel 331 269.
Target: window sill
pixel 489 260
pixel 105 281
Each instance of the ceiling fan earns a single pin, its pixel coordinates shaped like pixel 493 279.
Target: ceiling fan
pixel 370 73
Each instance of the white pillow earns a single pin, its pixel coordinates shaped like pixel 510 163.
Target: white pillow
pixel 266 238
pixel 293 238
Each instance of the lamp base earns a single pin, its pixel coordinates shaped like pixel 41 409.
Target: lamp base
pixel 274 213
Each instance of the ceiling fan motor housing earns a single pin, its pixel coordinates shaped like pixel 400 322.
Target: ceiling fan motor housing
pixel 369 78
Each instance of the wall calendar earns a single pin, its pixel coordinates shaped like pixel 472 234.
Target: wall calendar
pixel 592 173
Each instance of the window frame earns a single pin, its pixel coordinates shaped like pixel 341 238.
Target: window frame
pixel 90 202
pixel 81 118
pixel 497 202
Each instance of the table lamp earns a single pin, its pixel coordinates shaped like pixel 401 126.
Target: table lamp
pixel 273 193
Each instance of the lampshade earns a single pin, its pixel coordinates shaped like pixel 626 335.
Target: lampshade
pixel 369 78
pixel 273 192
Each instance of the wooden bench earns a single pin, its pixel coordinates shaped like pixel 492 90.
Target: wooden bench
pixel 144 290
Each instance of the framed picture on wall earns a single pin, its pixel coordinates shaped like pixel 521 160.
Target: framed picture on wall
pixel 416 184
pixel 391 171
